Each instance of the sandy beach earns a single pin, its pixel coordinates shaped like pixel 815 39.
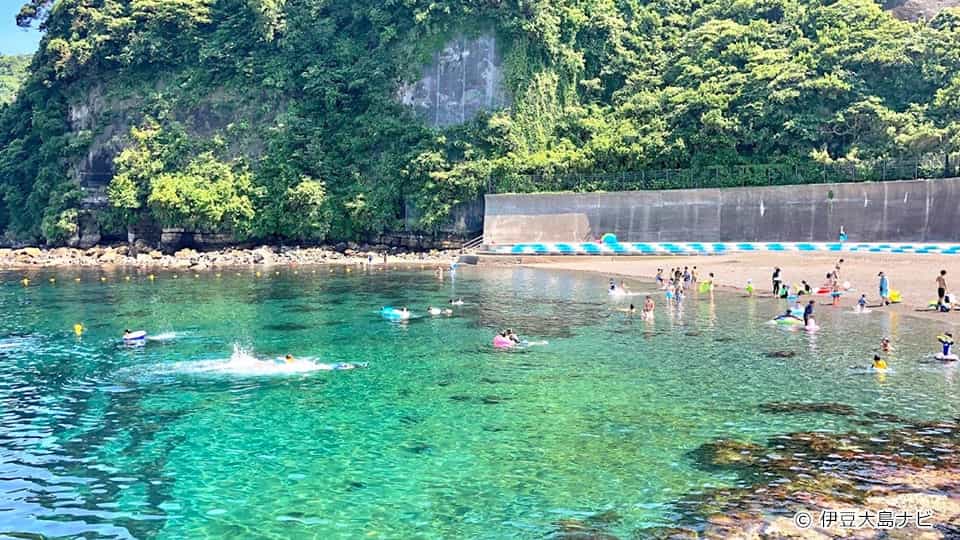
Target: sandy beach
pixel 913 275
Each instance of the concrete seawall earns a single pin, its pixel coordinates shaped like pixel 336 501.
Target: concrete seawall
pixel 905 211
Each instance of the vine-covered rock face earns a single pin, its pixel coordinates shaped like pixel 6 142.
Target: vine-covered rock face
pixel 311 119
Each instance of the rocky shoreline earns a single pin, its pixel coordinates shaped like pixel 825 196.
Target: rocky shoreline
pixel 189 259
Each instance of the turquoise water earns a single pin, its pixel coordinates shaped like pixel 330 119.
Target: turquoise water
pixel 439 437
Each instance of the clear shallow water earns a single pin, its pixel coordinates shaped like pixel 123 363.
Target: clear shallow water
pixel 439 437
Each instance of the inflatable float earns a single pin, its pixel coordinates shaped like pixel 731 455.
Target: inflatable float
pixel 133 337
pixel 394 314
pixel 787 321
pixel 500 342
pixel 946 357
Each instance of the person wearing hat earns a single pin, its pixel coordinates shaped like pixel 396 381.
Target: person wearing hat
pixel 884 289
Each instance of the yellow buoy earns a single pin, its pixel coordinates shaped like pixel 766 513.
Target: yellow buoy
pixel 196 275
pixel 25 281
pixel 53 280
pixel 151 277
pixel 78 329
pixel 218 274
pixel 349 270
pixel 103 279
pixel 258 274
pixel 77 280
pixel 126 278
pixel 277 273
pixel 175 276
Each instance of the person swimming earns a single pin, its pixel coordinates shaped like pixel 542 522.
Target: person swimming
pixel 289 359
pixel 457 302
pixel 885 345
pixel 879 363
pixel 788 315
pixel 512 336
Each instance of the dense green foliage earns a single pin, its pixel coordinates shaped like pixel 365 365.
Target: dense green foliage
pixel 13 71
pixel 279 118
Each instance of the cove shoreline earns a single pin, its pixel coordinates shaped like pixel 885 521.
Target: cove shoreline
pixel 109 257
pixel 912 275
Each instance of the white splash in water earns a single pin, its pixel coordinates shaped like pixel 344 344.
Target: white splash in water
pixel 244 363
pixel 165 336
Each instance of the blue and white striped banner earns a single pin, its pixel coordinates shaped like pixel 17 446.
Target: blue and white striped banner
pixel 715 248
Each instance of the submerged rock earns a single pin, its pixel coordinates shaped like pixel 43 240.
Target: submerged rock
pixel 728 453
pixel 838 409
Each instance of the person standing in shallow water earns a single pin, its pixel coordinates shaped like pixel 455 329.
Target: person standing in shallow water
pixel 884 289
pixel 941 289
pixel 776 281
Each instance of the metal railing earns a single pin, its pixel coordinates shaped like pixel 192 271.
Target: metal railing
pixel 472 244
pixel 774 174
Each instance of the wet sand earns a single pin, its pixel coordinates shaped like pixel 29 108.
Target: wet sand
pixel 913 275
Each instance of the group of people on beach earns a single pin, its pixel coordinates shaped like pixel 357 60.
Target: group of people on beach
pixel 678 281
pixel 835 288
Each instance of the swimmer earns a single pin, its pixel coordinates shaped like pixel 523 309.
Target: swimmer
pixel 879 363
pixel 434 310
pixel 289 359
pixel 457 302
pixel 885 345
pixel 788 315
pixel 631 310
pixel 804 288
pixel 512 336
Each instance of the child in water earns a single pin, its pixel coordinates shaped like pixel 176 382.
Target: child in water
pixel 862 303
pixel 947 341
pixel 885 345
pixel 879 363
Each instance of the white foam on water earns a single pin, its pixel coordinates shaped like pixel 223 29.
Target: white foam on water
pixel 242 363
pixel 165 336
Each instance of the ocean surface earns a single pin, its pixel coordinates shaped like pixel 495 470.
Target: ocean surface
pixel 201 432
